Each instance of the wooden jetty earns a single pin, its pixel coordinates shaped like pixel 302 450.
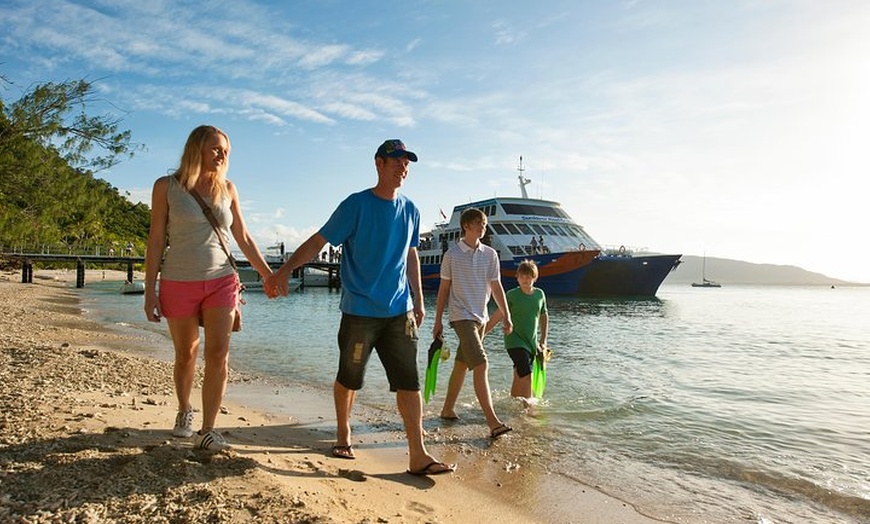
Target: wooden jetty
pixel 28 259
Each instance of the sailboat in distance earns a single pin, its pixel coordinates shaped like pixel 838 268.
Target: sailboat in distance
pixel 704 281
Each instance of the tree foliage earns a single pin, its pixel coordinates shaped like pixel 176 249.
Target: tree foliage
pixel 49 149
pixel 55 116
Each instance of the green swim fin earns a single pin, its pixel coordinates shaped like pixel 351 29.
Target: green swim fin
pixel 432 359
pixel 539 375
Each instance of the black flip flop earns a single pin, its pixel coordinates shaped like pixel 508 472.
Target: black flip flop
pixel 343 452
pixel 499 431
pixel 442 469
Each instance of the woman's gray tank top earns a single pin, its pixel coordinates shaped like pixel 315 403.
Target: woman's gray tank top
pixel 194 251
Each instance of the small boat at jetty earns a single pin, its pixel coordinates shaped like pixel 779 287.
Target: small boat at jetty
pixel 274 256
pixel 313 277
pixel 569 260
pixel 133 288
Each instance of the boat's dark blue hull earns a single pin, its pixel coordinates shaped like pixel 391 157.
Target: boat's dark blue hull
pixel 626 276
pixel 602 276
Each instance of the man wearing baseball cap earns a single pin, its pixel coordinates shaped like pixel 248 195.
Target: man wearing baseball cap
pixel 394 148
pixel 381 298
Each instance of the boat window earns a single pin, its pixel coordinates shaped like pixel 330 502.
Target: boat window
pixel 548 229
pixel 560 231
pixel 518 250
pixel 538 229
pixel 534 210
pixel 489 210
pixel 525 229
pixel 500 229
pixel 512 229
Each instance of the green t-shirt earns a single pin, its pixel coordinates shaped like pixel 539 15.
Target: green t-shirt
pixel 525 310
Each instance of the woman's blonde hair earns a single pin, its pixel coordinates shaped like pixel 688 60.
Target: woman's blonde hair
pixel 191 161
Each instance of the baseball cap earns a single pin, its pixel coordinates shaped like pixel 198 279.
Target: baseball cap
pixel 394 148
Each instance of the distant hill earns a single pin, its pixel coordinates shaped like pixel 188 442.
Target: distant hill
pixel 726 271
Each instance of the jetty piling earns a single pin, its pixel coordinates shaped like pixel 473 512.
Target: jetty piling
pixel 28 259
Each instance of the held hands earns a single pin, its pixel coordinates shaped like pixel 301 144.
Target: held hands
pixel 276 285
pixel 269 291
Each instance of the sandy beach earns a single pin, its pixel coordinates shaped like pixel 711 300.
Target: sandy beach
pixel 85 437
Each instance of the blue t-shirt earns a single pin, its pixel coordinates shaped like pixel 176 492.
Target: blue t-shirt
pixel 375 235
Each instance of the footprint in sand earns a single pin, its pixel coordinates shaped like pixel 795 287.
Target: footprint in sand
pixel 418 507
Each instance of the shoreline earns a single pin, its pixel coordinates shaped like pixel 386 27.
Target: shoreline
pixel 79 402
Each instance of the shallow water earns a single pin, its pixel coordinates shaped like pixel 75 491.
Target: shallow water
pixel 738 404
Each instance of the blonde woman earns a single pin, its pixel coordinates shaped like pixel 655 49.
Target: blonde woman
pixel 197 279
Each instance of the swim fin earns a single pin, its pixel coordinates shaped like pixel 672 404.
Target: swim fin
pixel 539 375
pixel 433 357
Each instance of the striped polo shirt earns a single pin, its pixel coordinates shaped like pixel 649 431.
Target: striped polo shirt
pixel 470 272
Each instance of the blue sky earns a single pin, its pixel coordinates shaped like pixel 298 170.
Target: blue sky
pixel 731 128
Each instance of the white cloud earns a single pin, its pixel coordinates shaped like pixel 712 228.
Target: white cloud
pixel 324 55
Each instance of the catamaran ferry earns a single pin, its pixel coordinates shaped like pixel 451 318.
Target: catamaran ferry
pixel 569 260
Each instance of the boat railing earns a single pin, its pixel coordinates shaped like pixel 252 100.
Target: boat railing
pixel 622 250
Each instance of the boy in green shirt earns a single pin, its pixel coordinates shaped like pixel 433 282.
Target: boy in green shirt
pixel 528 310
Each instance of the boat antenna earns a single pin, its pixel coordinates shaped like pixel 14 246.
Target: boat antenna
pixel 523 180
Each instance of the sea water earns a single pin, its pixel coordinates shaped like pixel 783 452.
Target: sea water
pixel 736 404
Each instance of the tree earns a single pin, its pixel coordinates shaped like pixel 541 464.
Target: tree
pixel 54 115
pixel 48 193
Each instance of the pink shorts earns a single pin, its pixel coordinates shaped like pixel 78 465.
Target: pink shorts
pixel 182 299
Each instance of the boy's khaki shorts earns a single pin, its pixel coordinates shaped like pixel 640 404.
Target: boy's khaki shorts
pixel 470 333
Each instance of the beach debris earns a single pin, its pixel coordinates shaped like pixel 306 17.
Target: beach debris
pixel 352 474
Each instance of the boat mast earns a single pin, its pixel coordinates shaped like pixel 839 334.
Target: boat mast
pixel 523 181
